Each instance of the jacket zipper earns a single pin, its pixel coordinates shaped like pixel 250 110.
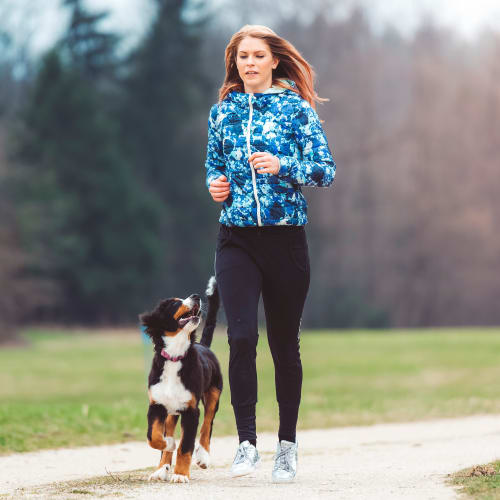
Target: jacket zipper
pixel 259 222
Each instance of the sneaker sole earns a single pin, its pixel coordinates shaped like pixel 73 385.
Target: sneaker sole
pixel 275 480
pixel 239 474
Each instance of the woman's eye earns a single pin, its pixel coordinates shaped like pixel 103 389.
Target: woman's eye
pixel 244 57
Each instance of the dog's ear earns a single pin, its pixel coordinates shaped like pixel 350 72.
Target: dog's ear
pixel 152 324
pixel 161 318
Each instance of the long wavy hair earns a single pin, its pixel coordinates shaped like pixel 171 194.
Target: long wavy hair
pixel 291 64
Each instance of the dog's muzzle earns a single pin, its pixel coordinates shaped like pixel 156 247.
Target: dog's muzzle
pixel 193 315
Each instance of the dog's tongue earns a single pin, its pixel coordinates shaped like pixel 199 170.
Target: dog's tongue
pixel 184 321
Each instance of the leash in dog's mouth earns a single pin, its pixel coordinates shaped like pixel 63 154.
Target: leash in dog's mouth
pixel 193 314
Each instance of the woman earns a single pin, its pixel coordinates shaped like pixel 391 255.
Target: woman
pixel 265 141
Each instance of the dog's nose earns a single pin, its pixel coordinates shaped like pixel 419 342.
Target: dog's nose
pixel 194 297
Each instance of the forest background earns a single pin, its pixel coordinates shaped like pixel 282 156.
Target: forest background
pixel 103 204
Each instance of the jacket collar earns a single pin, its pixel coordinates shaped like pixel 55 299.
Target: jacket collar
pixel 260 98
pixel 275 89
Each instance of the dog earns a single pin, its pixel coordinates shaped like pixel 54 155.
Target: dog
pixel 183 372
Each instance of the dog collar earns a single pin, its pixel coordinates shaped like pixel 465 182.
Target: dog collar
pixel 166 355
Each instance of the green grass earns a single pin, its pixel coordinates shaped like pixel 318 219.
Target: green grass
pixel 76 388
pixel 479 482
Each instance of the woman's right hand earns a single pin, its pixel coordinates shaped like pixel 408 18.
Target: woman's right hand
pixel 219 188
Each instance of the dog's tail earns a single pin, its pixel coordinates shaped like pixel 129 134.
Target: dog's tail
pixel 212 294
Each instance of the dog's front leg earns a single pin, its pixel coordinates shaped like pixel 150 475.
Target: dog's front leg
pixel 189 427
pixel 211 403
pixel 166 455
pixel 156 426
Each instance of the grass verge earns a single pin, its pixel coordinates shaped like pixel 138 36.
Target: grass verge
pixel 80 388
pixel 481 482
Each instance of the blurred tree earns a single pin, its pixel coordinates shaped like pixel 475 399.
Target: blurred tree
pixel 84 215
pixel 87 49
pixel 343 219
pixel 20 292
pixel 407 236
pixel 165 113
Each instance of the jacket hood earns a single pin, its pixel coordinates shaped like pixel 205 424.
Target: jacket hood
pixel 260 98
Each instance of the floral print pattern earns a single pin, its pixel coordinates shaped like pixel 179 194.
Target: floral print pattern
pixel 280 122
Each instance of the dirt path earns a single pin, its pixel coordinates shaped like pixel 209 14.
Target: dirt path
pixel 385 461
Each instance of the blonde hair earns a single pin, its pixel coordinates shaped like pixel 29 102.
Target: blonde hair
pixel 291 64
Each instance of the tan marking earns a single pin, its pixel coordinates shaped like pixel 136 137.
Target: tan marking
pixel 192 403
pixel 210 401
pixel 166 458
pixel 151 400
pixel 182 463
pixel 183 460
pixel 157 440
pixel 170 423
pixel 182 309
pixel 166 333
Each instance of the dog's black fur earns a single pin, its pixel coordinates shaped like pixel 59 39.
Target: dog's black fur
pixel 199 374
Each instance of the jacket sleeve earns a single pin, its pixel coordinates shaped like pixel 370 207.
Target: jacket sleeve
pixel 317 167
pixel 214 163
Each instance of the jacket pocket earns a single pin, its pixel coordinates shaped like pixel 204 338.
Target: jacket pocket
pixel 222 238
pixel 299 254
pixel 220 242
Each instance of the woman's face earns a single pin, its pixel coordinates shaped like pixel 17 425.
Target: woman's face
pixel 255 63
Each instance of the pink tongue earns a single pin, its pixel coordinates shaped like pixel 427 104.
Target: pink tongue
pixel 183 321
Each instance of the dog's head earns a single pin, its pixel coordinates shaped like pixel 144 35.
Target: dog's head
pixel 171 318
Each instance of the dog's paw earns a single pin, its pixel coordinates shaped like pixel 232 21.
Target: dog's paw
pixel 202 457
pixel 179 478
pixel 170 444
pixel 160 474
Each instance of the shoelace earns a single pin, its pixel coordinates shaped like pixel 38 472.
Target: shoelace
pixel 283 459
pixel 241 455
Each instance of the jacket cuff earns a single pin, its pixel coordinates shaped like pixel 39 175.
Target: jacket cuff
pixel 211 178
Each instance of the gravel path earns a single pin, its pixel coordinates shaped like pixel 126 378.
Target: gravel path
pixel 384 461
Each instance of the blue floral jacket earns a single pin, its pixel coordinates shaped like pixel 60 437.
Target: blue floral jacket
pixel 280 122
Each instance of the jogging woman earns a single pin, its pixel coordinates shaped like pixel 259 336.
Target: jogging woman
pixel 265 142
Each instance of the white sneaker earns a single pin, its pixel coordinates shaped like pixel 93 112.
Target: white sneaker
pixel 246 460
pixel 285 462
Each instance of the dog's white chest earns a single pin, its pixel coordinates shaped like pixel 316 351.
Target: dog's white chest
pixel 170 391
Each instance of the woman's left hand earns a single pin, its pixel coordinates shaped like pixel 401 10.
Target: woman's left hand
pixel 264 162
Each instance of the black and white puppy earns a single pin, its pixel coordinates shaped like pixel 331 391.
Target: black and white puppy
pixel 183 372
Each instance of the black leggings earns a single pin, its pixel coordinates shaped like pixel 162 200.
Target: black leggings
pixel 274 261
